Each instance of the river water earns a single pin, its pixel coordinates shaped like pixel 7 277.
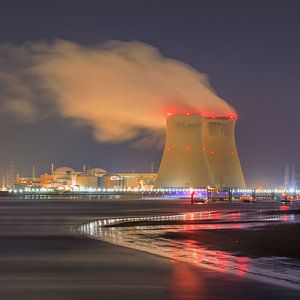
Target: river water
pixel 146 234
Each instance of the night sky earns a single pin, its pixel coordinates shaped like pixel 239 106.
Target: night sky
pixel 249 49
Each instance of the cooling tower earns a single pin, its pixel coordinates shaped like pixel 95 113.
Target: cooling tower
pixel 184 163
pixel 221 151
pixel 200 152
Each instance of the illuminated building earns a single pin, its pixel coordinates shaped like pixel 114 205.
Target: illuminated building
pixel 85 181
pixel 62 176
pixel 111 181
pixel 138 180
pixel 69 179
pixel 128 180
pixel 23 182
pixel 98 172
pixel 200 151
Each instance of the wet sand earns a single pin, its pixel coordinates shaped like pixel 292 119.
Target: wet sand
pixel 267 241
pixel 41 258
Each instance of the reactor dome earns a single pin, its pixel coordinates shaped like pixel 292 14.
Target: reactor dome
pixel 98 172
pixel 62 171
pixel 85 180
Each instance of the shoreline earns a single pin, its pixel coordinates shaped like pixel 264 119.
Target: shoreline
pixel 261 241
pixel 42 259
pixel 141 234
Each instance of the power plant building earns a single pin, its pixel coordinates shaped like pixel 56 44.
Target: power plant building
pixel 66 178
pixel 86 181
pixel 199 152
pixel 129 181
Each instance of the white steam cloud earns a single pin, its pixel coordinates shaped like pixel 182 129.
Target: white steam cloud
pixel 120 89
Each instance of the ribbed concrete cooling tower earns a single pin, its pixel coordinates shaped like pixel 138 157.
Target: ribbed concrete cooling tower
pixel 222 155
pixel 200 152
pixel 184 163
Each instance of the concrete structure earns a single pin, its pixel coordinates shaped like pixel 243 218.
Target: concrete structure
pixel 221 152
pixel 85 181
pixel 68 179
pixel 184 163
pixel 97 172
pixel 199 152
pixel 111 181
pixel 138 180
pixel 60 177
pixel 128 180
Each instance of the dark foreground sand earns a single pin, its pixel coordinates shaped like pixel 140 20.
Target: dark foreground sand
pixel 272 240
pixel 41 259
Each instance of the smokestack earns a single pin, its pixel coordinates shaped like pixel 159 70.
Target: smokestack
pixel 184 163
pixel 293 176
pixel 33 171
pixel 152 167
pixel 286 180
pixel 52 168
pixel 3 183
pixel 221 151
pixel 200 152
pixel 12 176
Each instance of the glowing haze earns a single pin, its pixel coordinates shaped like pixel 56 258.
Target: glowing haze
pixel 120 89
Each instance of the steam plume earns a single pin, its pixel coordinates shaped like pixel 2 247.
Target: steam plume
pixel 120 88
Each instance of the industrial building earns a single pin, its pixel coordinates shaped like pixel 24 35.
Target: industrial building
pixel 63 176
pixel 200 151
pixel 129 181
pixel 68 179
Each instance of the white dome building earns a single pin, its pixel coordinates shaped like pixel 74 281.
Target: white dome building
pixel 86 181
pixel 98 172
pixel 64 171
pixel 64 176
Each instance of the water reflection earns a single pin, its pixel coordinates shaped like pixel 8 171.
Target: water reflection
pixel 185 283
pixel 149 238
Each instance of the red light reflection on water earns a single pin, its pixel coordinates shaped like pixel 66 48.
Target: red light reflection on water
pixel 184 283
pixel 284 218
pixel 217 260
pixel 187 284
pixel 242 267
pixel 215 215
pixel 284 207
pixel 235 216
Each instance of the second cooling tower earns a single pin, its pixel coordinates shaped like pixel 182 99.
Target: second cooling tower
pixel 221 152
pixel 200 152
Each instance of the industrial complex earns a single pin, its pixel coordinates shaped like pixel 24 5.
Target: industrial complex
pixel 200 154
pixel 68 179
